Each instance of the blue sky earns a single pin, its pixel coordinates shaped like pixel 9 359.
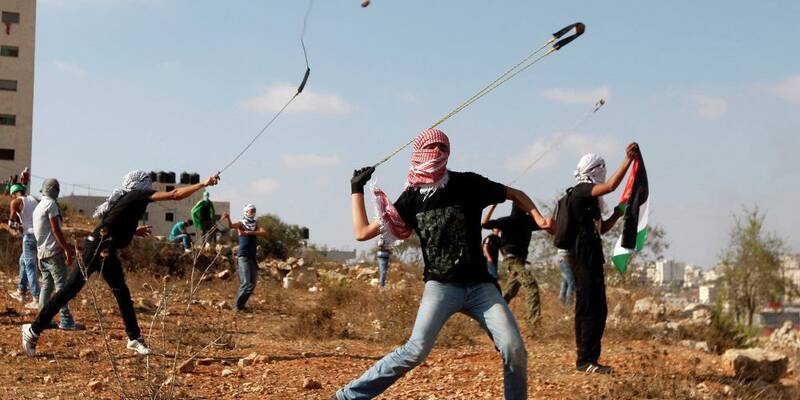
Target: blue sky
pixel 710 90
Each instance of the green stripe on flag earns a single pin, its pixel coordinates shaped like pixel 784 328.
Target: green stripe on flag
pixel 621 261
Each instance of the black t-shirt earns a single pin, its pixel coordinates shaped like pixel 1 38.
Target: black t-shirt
pixel 494 245
pixel 123 218
pixel 448 224
pixel 515 232
pixel 586 209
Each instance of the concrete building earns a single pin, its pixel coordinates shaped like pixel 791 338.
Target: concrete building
pixel 17 44
pixel 161 216
pixel 692 276
pixel 669 272
pixel 707 294
pixel 790 267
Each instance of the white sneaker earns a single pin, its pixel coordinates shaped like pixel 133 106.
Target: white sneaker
pixel 33 305
pixel 29 340
pixel 139 346
pixel 18 296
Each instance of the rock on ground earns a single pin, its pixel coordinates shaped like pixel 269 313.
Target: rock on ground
pixel 752 364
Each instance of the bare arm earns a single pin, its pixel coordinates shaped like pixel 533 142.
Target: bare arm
pixel 362 228
pixel 15 207
pixel 631 152
pixel 55 227
pixel 231 225
pixel 486 252
pixel 606 225
pixel 524 202
pixel 184 192
pixel 258 232
pixel 488 215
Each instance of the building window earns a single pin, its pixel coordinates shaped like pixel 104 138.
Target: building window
pixel 7 154
pixel 10 17
pixel 6 84
pixel 9 51
pixel 169 217
pixel 8 119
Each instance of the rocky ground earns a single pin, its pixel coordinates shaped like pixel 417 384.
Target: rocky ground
pixel 315 326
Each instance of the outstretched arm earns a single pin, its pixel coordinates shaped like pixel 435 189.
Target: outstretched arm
pixel 606 225
pixel 184 192
pixel 524 202
pixel 488 215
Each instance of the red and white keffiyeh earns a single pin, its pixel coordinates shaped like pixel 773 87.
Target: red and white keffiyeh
pixel 428 172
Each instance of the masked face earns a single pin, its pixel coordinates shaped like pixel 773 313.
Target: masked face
pixel 251 213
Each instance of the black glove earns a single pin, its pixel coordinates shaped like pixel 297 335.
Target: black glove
pixel 360 178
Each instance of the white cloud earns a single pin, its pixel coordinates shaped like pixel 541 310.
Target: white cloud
pixel 788 90
pixel 264 186
pixel 275 96
pixel 708 107
pixel 70 68
pixel 304 161
pixel 548 151
pixel 576 96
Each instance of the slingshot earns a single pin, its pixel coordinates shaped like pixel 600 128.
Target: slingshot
pixel 523 65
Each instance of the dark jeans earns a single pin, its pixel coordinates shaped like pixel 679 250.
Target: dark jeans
pixel 111 270
pixel 591 308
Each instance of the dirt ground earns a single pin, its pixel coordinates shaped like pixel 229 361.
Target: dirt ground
pixel 464 365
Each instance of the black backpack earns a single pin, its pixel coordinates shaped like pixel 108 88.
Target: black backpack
pixel 565 228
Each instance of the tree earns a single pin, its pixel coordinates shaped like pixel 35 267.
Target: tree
pixel 751 267
pixel 282 239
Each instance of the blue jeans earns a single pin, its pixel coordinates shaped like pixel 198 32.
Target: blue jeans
pixel 492 266
pixel 185 239
pixel 27 266
pixel 440 301
pixel 248 270
pixel 567 295
pixel 54 274
pixel 383 266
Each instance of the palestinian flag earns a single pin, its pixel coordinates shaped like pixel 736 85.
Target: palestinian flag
pixel 636 202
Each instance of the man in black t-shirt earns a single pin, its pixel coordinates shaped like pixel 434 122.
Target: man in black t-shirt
pixel 119 223
pixel 587 256
pixel 515 238
pixel 491 251
pixel 444 209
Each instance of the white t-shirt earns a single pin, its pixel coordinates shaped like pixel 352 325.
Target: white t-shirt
pixel 46 244
pixel 26 215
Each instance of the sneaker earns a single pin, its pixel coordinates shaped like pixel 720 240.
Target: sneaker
pixel 139 346
pixel 18 296
pixel 33 305
pixel 29 340
pixel 593 368
pixel 71 326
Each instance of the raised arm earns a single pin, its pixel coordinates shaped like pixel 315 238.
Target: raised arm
pixel 600 189
pixel 184 192
pixel 227 218
pixel 362 229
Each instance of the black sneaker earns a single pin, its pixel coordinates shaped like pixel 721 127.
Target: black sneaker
pixel 593 368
